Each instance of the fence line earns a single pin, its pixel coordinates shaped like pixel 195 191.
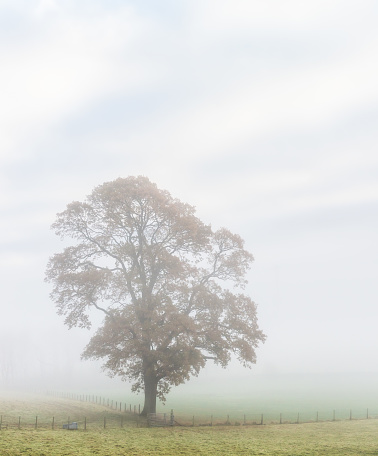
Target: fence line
pixel 113 421
pixel 85 423
pixel 120 412
pixel 160 419
pixel 238 419
pixel 99 400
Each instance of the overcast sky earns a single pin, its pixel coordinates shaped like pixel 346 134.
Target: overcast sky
pixel 262 114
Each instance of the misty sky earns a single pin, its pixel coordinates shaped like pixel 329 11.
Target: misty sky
pixel 262 114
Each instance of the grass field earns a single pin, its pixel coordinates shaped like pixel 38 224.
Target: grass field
pixel 355 437
pixel 271 395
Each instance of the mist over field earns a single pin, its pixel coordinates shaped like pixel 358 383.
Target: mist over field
pixel 262 116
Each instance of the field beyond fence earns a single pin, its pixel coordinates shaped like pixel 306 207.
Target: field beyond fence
pixel 86 412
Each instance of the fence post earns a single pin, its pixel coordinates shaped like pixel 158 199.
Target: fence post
pixel 36 422
pixel 1 421
pixel 298 419
pixel 104 422
pixel 317 416
pixel 244 421
pixel 85 423
pixel 19 422
pixel 172 418
pixel 193 421
pixel 280 418
pixel 262 418
pixel 53 423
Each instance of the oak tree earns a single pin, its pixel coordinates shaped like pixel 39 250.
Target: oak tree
pixel 169 286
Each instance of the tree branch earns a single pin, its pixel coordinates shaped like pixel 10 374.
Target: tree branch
pixel 103 310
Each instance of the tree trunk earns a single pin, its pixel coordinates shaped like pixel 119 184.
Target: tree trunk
pixel 150 393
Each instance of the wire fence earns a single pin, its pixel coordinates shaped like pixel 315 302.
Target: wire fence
pixel 75 423
pixel 239 419
pixel 105 414
pixel 99 400
pixel 111 414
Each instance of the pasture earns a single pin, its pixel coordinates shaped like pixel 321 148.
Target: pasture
pixel 344 437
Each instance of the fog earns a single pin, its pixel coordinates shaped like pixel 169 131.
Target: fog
pixel 263 116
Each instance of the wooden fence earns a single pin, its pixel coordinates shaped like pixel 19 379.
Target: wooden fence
pixel 118 414
pixel 115 414
pixel 252 419
pixel 160 419
pixel 99 400
pixel 77 423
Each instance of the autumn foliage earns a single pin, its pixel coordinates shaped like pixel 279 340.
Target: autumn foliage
pixel 169 287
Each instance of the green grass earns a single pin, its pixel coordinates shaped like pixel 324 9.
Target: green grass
pixel 325 438
pixel 331 439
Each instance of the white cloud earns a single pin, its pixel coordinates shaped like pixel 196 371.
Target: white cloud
pixel 15 261
pixel 46 6
pixel 295 100
pixel 65 65
pixel 294 15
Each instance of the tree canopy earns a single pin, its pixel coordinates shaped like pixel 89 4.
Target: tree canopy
pixel 170 287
